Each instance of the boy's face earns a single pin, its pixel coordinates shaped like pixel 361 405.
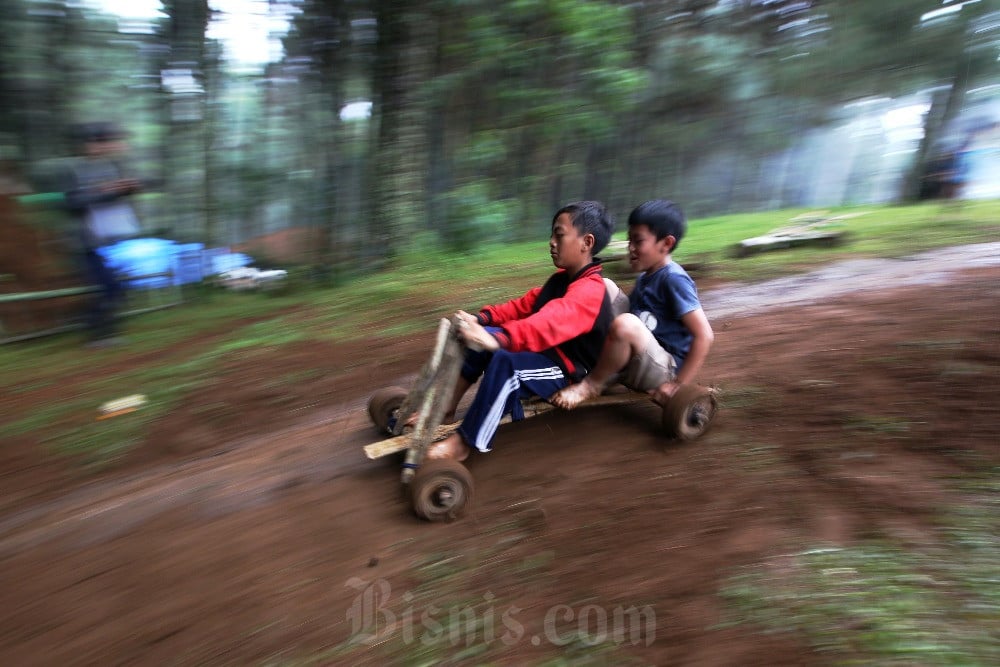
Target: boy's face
pixel 569 249
pixel 105 148
pixel 646 254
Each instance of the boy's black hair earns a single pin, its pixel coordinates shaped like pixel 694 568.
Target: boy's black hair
pixel 98 132
pixel 590 217
pixel 663 217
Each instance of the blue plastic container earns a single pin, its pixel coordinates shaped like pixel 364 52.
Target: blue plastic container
pixel 179 263
pixel 136 258
pixel 186 263
pixel 228 261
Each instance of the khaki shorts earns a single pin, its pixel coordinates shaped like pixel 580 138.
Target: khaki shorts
pixel 649 369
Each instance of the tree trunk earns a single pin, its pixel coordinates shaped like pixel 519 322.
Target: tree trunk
pixel 400 145
pixel 945 105
pixel 185 40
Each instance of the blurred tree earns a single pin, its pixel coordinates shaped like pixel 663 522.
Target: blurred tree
pixel 398 160
pixel 706 111
pixel 485 116
pixel 42 74
pixel 322 47
pixel 834 51
pixel 524 102
pixel 691 104
pixel 59 66
pixel 13 110
pixel 755 74
pixel 969 56
pixel 183 75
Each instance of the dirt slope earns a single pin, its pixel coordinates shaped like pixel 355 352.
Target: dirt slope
pixel 261 540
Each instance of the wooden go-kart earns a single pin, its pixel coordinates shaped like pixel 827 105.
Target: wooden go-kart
pixel 440 490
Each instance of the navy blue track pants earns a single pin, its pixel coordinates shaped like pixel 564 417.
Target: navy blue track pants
pixel 506 378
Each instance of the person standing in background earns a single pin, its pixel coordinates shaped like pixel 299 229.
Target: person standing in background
pixel 98 196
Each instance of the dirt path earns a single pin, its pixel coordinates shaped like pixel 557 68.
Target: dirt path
pixel 850 277
pixel 840 399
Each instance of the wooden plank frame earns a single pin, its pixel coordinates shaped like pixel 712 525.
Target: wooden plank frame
pixel 532 408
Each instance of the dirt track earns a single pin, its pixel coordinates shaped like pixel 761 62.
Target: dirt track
pixel 237 539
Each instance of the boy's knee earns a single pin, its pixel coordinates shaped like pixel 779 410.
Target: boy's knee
pixel 626 327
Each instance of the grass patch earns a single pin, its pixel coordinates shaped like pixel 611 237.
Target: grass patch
pixel 270 333
pixel 98 444
pixel 743 397
pixel 47 415
pixel 891 426
pixel 932 346
pixel 874 231
pixel 879 603
pixel 754 457
pixel 68 426
pixel 967 369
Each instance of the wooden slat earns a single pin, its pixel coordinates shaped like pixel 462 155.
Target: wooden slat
pixel 531 409
pixel 70 291
pixel 48 294
pixel 158 292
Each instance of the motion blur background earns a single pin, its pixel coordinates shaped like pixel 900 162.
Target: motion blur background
pixel 360 129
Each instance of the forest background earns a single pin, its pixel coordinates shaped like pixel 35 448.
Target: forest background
pixel 385 126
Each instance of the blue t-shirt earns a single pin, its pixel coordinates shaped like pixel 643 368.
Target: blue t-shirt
pixel 660 300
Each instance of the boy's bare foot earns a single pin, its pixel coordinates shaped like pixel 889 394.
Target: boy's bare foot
pixel 451 447
pixel 569 397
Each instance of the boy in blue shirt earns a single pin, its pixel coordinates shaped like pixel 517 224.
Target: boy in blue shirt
pixel 665 338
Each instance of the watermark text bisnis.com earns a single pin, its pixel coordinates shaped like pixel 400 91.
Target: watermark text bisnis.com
pixel 373 621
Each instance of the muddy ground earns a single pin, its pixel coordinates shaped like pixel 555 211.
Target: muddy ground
pixel 250 529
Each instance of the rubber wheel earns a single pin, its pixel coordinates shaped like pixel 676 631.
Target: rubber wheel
pixel 383 406
pixel 440 490
pixel 689 412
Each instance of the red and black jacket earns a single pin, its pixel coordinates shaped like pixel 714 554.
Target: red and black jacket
pixel 566 319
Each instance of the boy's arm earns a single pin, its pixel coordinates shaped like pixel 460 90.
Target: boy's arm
pixel 514 309
pixel 702 338
pixel 559 320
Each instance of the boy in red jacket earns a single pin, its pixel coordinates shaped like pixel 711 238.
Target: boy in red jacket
pixel 539 343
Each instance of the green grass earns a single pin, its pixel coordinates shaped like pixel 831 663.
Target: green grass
pixel 879 231
pixel 895 427
pixel 880 603
pixel 743 397
pixel 173 351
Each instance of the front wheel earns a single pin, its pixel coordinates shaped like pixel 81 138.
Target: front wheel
pixel 440 490
pixel 384 405
pixel 689 412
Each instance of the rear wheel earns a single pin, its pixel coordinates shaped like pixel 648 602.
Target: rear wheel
pixel 383 407
pixel 440 490
pixel 689 412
